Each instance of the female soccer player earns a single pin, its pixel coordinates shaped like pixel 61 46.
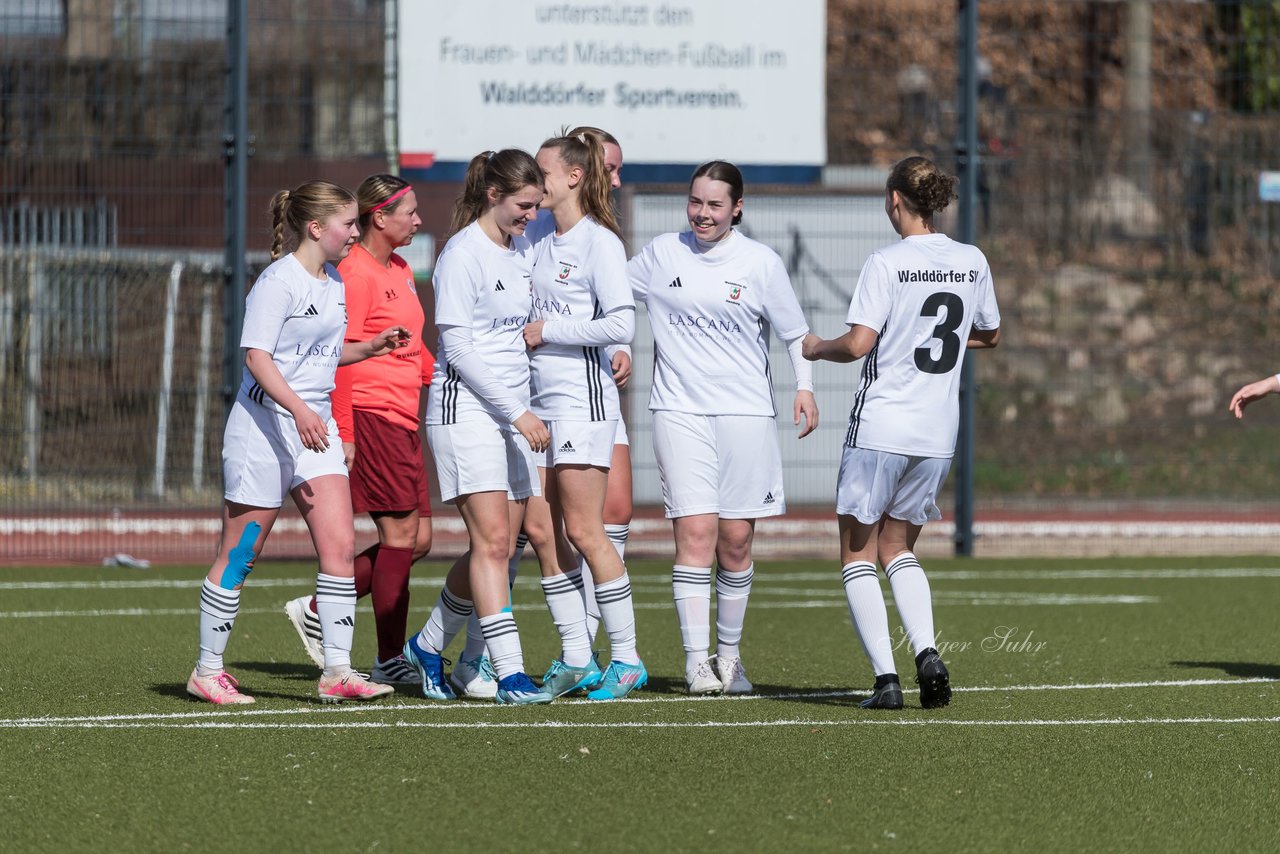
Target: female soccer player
pixel 375 404
pixel 617 502
pixel 713 294
pixel 918 304
pixel 281 439
pixel 582 304
pixel 479 424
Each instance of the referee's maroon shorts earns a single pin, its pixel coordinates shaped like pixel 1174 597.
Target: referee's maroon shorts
pixel 388 474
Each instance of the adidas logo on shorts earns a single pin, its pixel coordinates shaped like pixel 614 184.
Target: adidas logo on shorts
pixel 311 311
pixel 768 498
pixel 567 448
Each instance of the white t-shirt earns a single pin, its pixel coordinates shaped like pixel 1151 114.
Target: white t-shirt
pixel 301 321
pixel 578 277
pixel 482 286
pixel 923 295
pixel 711 313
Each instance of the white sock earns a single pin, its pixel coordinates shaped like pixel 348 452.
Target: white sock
pixel 586 584
pixel 691 589
pixel 911 595
pixel 475 639
pixel 336 608
pixel 618 614
pixel 567 612
pixel 732 591
pixel 448 616
pixel 218 610
pixel 869 615
pixel 618 536
pixel 503 639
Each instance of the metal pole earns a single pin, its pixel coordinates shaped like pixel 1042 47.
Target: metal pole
pixel 165 401
pixel 202 386
pixel 236 190
pixel 35 351
pixel 391 85
pixel 968 158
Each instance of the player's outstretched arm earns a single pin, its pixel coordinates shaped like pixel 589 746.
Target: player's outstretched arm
pixel 1251 392
pixel 849 347
pixel 389 339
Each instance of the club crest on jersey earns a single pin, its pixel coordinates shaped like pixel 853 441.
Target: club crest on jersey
pixel 412 287
pixel 565 269
pixel 735 292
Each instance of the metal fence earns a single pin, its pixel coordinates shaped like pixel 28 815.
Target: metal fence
pixel 1118 199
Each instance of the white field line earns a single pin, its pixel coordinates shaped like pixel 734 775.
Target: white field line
pixel 940 600
pixel 802 528
pixel 581 725
pixel 433 708
pixel 763 581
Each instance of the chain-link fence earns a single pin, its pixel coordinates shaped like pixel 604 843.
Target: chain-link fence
pixel 1123 144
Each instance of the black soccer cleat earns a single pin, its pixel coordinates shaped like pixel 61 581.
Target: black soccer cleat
pixel 933 679
pixel 887 694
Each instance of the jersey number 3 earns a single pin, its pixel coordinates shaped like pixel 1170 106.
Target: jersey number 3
pixel 945 332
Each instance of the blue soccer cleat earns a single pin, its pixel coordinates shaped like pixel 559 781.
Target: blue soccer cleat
pixel 620 680
pixel 561 679
pixel 519 690
pixel 430 667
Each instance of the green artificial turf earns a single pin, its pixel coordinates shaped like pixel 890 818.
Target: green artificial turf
pixel 1068 745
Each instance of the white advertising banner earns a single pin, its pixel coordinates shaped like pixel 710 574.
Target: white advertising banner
pixel 677 83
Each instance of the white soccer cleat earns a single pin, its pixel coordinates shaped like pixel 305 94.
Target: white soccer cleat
pixel 307 625
pixel 703 679
pixel 475 678
pixel 732 676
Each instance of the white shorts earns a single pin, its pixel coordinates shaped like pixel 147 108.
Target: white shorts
pixel 729 465
pixel 263 458
pixel 481 456
pixel 875 483
pixel 580 443
pixel 621 437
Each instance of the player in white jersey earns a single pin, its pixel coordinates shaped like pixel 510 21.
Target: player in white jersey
pixel 479 425
pixel 281 439
pixel 581 305
pixel 713 296
pixel 547 538
pixel 919 304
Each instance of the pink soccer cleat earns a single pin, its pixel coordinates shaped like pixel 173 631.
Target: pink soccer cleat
pixel 350 686
pixel 221 689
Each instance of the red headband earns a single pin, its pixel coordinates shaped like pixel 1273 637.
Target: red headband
pixel 390 199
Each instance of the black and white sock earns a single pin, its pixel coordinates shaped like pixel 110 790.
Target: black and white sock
pixel 691 589
pixel 448 616
pixel 336 607
pixel 617 612
pixel 915 602
pixel 570 616
pixel 732 591
pixel 218 610
pixel 503 640
pixel 869 615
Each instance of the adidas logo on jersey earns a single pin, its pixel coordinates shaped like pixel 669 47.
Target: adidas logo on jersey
pixel 675 283
pixel 311 311
pixel 567 448
pixel 345 621
pixel 225 627
pixel 499 286
pixel 768 498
